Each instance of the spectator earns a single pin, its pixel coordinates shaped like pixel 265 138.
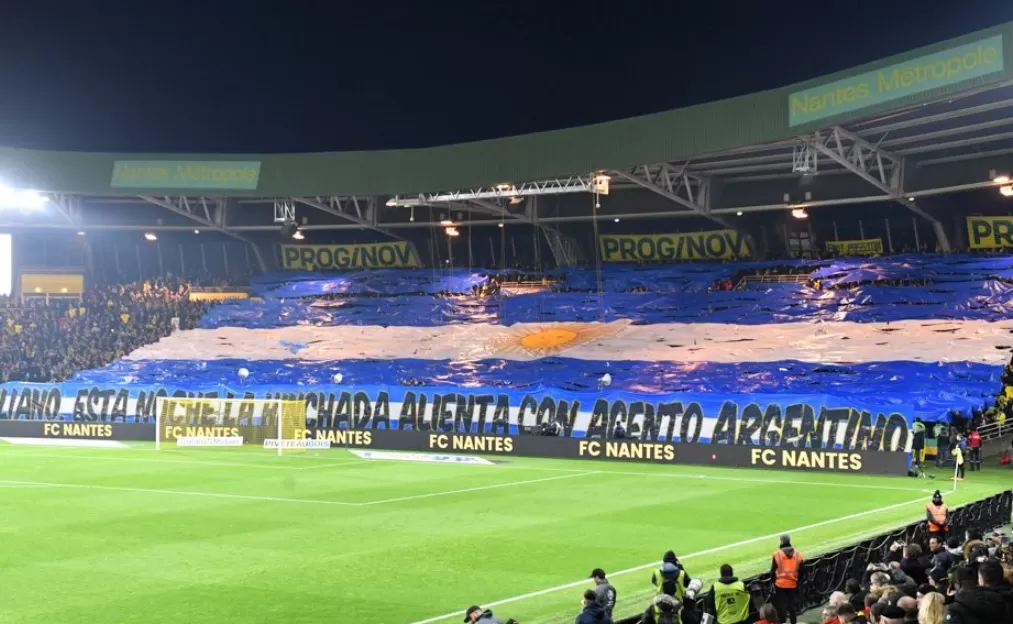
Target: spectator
pixel 910 606
pixel 989 603
pixel 892 615
pixel 830 615
pixel 876 613
pixel 50 341
pixel 593 612
pixel 856 597
pixel 914 565
pixel 768 615
pixel 606 594
pixel 846 614
pixel 941 560
pixel 932 609
pixel 477 615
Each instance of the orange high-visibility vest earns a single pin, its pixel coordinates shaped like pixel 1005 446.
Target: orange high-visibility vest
pixel 938 514
pixel 786 576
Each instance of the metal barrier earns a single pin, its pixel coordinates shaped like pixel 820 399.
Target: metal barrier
pixel 829 572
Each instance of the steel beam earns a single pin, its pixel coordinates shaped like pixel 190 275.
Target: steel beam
pixel 557 186
pixel 869 162
pixel 682 187
pixel 183 207
pixel 335 206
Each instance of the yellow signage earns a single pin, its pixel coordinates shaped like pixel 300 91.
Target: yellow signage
pixel 216 296
pixel 865 247
pixel 989 232
pixel 714 245
pixel 58 284
pixel 396 255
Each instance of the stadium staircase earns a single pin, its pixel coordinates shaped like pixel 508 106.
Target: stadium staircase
pixel 750 280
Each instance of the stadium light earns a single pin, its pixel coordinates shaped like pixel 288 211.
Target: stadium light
pixel 1006 191
pixel 150 236
pixel 738 214
pixel 297 235
pixel 446 223
pixel 452 232
pixel 799 213
pixel 80 232
pixel 616 219
pixel 998 178
pixel 29 201
pixel 196 231
pixel 500 224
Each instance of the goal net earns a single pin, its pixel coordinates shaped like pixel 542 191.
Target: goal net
pixel 214 422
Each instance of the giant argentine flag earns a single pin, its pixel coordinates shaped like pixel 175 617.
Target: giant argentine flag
pixel 921 350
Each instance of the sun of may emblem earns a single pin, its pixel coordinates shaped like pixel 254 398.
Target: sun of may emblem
pixel 550 339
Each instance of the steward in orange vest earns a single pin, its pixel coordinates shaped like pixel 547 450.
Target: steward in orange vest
pixel 786 568
pixel 937 514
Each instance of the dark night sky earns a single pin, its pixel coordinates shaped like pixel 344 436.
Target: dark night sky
pixel 249 76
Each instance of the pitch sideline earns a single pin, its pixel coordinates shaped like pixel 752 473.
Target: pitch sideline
pixel 323 464
pixel 652 564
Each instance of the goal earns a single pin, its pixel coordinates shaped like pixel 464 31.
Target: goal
pixel 215 422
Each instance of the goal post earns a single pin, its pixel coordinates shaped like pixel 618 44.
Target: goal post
pixel 208 422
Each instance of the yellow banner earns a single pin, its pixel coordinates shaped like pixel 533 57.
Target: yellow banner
pixel 216 296
pixel 865 247
pixel 989 232
pixel 714 245
pixel 52 284
pixel 366 256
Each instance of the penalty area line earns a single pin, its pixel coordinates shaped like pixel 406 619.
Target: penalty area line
pixel 701 553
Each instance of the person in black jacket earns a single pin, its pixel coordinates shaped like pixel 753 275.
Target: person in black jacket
pixel 915 565
pixel 989 603
pixel 941 559
pixel 593 612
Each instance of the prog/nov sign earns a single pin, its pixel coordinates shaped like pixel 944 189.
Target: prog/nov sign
pixel 990 232
pixel 715 245
pixel 330 257
pixel 194 174
pixel 972 60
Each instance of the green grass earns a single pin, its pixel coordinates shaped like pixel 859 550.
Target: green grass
pixel 119 535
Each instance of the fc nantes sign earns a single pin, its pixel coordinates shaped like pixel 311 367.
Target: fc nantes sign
pixel 715 245
pixel 397 255
pixel 990 232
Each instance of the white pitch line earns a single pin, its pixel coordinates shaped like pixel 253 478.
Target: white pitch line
pixel 113 488
pixel 480 488
pixel 709 551
pixel 196 462
pixel 279 499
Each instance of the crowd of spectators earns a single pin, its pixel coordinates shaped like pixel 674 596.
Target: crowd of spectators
pixel 944 579
pixel 951 580
pixel 50 339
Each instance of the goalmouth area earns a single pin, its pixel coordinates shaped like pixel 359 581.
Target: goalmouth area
pixel 240 534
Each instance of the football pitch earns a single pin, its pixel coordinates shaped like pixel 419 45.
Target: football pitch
pixel 205 536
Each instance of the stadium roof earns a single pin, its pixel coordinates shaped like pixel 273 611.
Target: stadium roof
pixel 927 122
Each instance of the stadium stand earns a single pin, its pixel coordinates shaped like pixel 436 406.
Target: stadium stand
pixel 49 340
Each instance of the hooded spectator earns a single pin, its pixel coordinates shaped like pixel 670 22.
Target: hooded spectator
pixel 664 609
